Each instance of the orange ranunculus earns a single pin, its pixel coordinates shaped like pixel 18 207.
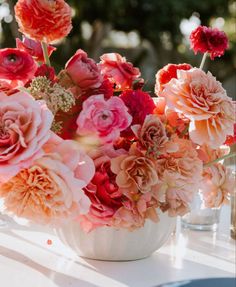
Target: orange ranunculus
pixel 43 20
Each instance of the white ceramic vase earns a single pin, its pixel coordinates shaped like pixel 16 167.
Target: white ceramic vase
pixel 108 243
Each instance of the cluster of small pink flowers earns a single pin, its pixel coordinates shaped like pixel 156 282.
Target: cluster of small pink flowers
pixel 90 144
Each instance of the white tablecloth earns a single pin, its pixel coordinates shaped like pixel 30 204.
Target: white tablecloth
pixel 27 260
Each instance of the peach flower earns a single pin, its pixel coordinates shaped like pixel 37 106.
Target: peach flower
pixel 217 185
pixel 104 118
pixel 51 189
pixel 43 20
pixel 24 128
pixel 152 136
pixel 180 175
pixel 118 70
pixel 203 100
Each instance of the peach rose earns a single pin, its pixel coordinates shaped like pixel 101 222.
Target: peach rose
pixel 24 128
pixel 118 71
pixel 217 185
pixel 104 118
pixel 202 99
pixel 43 20
pixel 83 71
pixel 152 136
pixel 51 189
pixel 180 175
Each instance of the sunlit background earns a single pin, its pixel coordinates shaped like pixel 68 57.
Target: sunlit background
pixel 150 33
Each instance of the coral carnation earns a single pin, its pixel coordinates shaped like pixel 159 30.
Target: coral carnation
pixel 43 20
pixel 208 40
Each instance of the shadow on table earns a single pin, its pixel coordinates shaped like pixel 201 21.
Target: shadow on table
pixel 59 278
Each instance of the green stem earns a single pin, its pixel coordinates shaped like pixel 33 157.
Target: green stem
pixel 203 60
pixel 45 54
pixel 220 158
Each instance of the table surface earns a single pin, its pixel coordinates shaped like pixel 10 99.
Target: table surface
pixel 26 259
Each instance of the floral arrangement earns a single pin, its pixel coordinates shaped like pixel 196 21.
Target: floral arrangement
pixel 89 144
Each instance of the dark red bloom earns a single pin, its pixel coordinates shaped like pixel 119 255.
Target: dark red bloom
pixel 46 71
pixel 140 104
pixel 167 73
pixel 209 40
pixel 16 65
pixel 34 48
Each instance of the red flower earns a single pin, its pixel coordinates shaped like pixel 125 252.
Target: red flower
pixel 204 39
pixel 16 65
pixel 45 71
pixel 34 48
pixel 43 20
pixel 140 104
pixel 230 140
pixel 167 73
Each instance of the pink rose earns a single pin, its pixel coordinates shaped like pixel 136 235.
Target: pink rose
pixel 34 48
pixel 217 185
pixel 118 70
pixel 83 71
pixel 24 128
pixel 201 99
pixel 16 66
pixel 50 190
pixel 105 118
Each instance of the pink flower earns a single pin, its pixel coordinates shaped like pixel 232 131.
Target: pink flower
pixel 208 40
pixel 50 190
pixel 105 118
pixel 200 98
pixel 24 128
pixel 34 48
pixel 83 71
pixel 120 72
pixel 217 185
pixel 42 20
pixel 17 66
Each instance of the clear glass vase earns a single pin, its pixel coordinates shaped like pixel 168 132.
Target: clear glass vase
pixel 201 217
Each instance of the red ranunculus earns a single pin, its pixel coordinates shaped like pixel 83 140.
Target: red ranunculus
pixel 118 70
pixel 16 65
pixel 168 72
pixel 34 48
pixel 208 40
pixel 42 20
pixel 139 105
pixel 46 71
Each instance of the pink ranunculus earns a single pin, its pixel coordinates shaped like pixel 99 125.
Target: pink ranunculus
pixel 24 128
pixel 50 190
pixel 16 66
pixel 34 48
pixel 218 183
pixel 104 118
pixel 203 100
pixel 118 70
pixel 83 71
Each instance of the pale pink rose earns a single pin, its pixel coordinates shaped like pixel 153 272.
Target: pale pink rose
pixel 203 100
pixel 118 70
pixel 152 136
pixel 24 128
pixel 218 183
pixel 83 71
pixel 104 118
pixel 51 189
pixel 180 175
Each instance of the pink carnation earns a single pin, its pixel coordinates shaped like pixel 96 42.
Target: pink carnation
pixel 200 98
pixel 104 118
pixel 24 128
pixel 118 70
pixel 50 190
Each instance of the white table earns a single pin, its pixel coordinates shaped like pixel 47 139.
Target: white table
pixel 26 260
